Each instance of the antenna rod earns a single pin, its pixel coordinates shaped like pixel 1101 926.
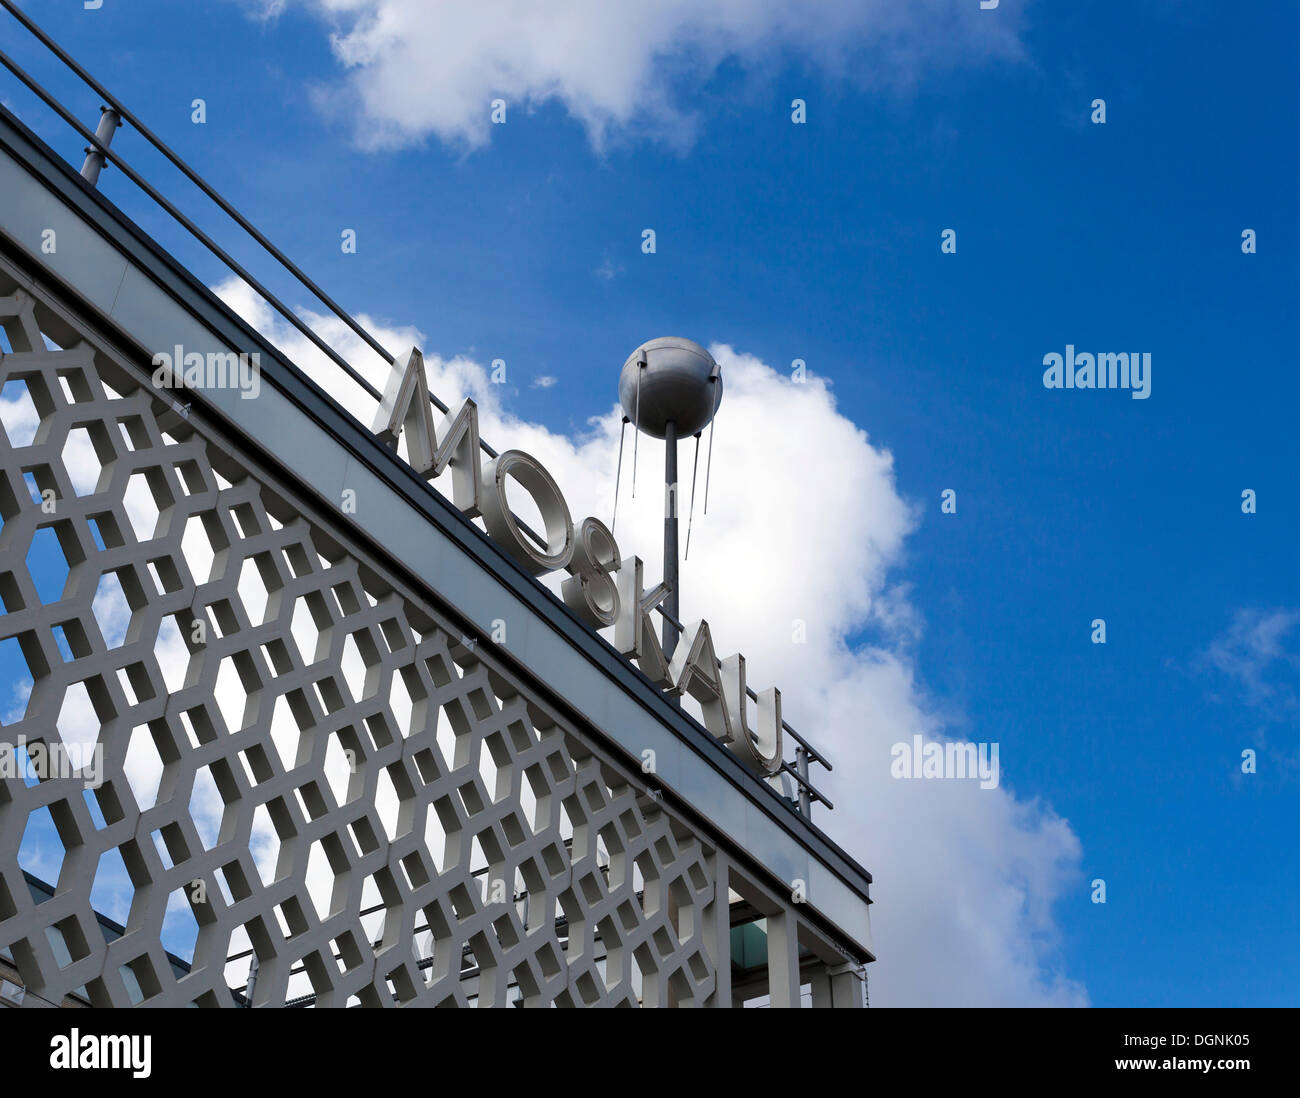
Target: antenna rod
pixel 690 515
pixel 618 476
pixel 636 424
pixel 708 468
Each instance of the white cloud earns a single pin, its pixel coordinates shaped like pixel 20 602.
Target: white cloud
pixel 806 523
pixel 543 381
pixel 18 415
pixel 1253 654
pixel 418 68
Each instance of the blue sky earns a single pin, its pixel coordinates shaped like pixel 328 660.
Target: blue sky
pixel 822 242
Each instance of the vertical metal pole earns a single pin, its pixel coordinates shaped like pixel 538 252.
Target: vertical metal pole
pixel 672 603
pixel 109 120
pixel 801 765
pixel 252 980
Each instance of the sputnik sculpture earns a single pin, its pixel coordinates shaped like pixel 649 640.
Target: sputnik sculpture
pixel 670 388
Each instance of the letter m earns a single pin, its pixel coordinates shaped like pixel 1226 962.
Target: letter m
pixel 116 1051
pixel 405 407
pixel 223 369
pixel 1112 371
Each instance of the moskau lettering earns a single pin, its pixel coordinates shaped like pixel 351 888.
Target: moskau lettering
pixel 605 589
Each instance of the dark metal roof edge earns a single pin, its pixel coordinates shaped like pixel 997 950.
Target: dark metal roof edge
pixel 110 926
pixel 190 293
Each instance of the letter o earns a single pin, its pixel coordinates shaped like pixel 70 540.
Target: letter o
pixel 501 524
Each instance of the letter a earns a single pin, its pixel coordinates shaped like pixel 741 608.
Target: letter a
pixel 695 671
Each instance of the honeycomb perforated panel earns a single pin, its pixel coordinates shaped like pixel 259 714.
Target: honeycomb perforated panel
pixel 302 758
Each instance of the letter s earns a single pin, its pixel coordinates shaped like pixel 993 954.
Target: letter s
pixel 591 591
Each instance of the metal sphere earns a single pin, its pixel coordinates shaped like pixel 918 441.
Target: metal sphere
pixel 680 383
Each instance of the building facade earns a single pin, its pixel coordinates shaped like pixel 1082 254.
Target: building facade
pixel 323 779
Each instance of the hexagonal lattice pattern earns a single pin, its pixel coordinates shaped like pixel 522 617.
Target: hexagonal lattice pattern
pixel 301 764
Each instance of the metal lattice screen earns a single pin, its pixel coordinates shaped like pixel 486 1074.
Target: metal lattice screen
pixel 300 761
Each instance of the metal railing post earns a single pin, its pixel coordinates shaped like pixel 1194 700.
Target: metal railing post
pixel 109 120
pixel 251 986
pixel 801 765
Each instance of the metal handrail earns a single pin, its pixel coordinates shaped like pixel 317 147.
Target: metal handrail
pixel 185 222
pixel 813 754
pixel 193 176
pixel 228 208
pixel 809 754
